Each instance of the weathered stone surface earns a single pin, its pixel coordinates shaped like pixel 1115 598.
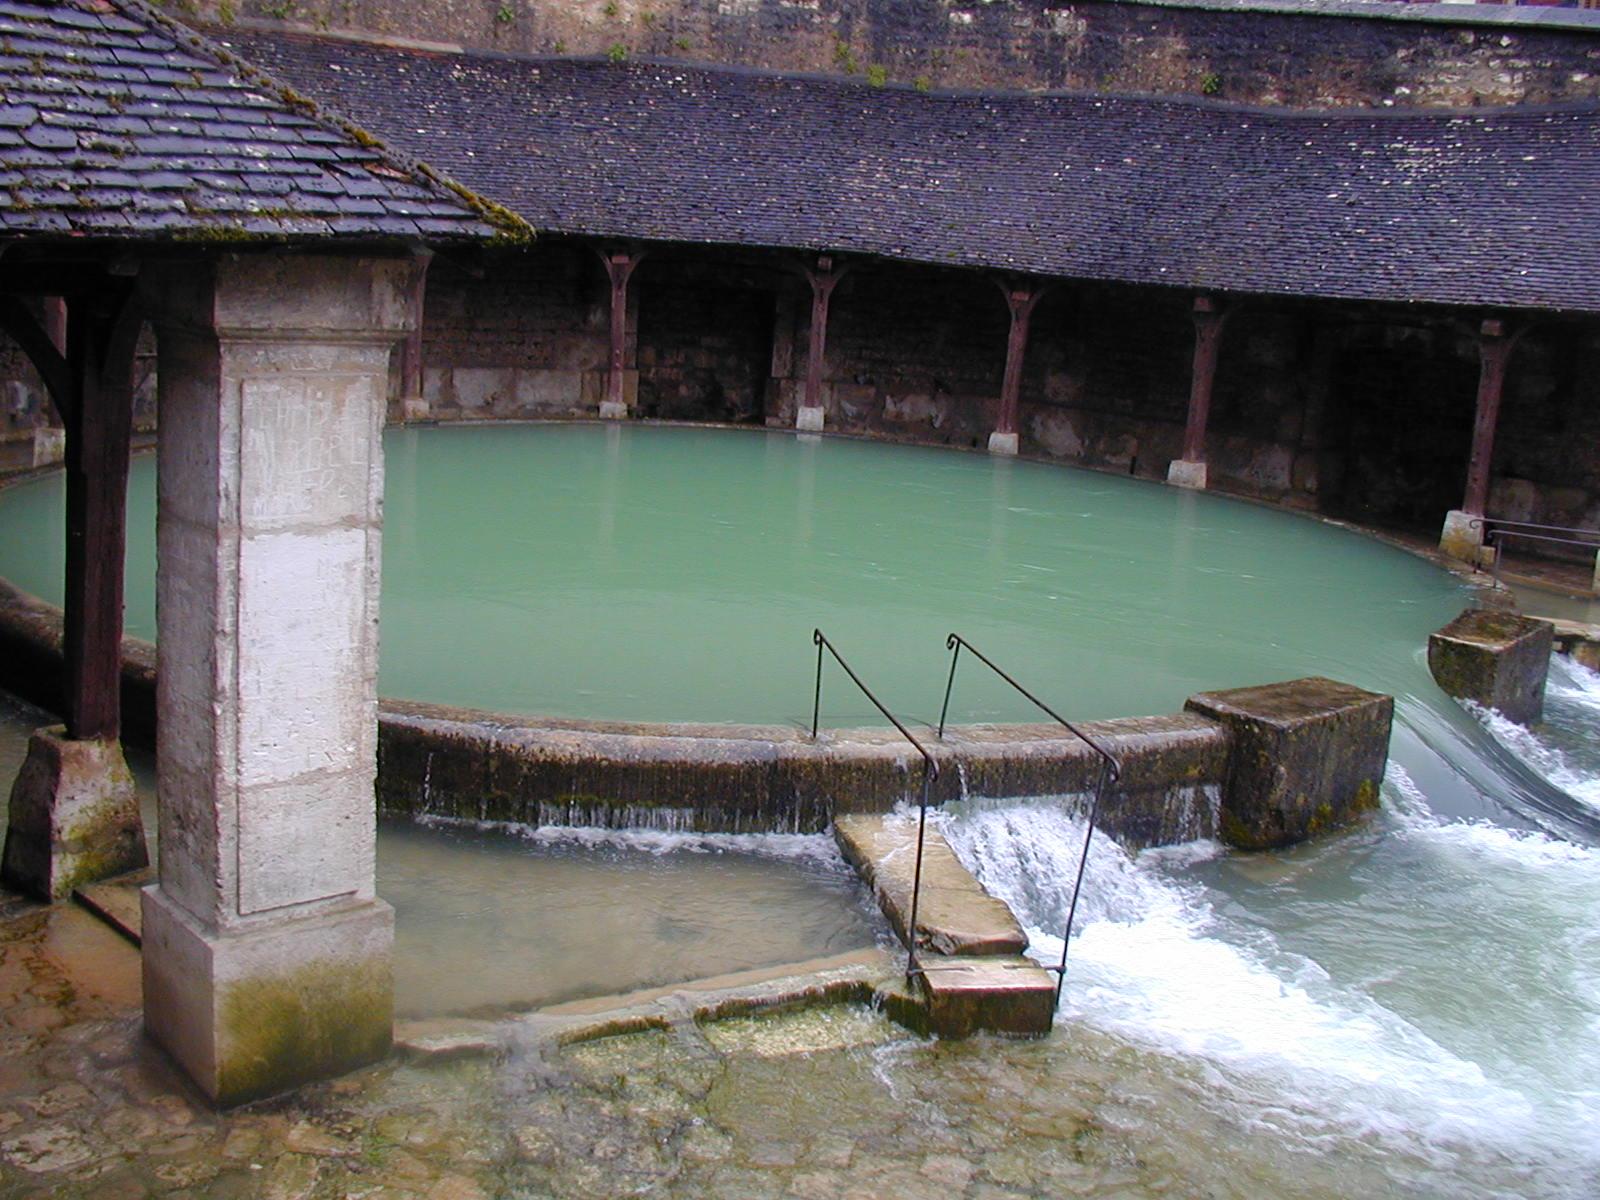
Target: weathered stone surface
pixel 1579 642
pixel 266 953
pixel 1183 473
pixel 1305 757
pixel 727 778
pixel 809 419
pixel 74 816
pixel 992 994
pixel 117 902
pixel 1462 539
pixel 1497 659
pixel 954 914
pixel 252 1014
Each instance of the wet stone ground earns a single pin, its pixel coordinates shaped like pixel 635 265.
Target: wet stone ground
pixel 827 1102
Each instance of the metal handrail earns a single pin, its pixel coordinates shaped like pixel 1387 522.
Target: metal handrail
pixel 1110 771
pixel 1497 531
pixel 930 772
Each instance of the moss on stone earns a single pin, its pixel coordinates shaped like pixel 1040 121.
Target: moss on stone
pixel 319 1020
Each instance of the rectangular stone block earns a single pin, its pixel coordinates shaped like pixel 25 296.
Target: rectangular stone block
pixel 312 839
pixel 1304 758
pixel 252 1014
pixel 306 450
pixel 1497 659
pixel 1010 995
pixel 954 914
pixel 549 390
pixel 306 690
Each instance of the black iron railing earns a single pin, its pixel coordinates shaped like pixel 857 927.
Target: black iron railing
pixel 930 772
pixel 1497 532
pixel 1110 772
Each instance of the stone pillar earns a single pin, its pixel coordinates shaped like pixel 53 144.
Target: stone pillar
pixel 266 951
pixel 810 416
pixel 1021 300
pixel 1190 470
pixel 619 270
pixel 413 404
pixel 1463 534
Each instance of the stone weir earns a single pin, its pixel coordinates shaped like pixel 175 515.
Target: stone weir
pixel 1258 767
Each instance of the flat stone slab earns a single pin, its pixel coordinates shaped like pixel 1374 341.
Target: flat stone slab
pixel 1497 659
pixel 955 916
pixel 994 994
pixel 116 902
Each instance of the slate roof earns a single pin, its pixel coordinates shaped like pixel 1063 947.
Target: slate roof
pixel 116 122
pixel 1492 207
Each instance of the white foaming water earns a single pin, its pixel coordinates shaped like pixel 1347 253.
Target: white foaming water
pixel 1325 1055
pixel 816 848
pixel 1561 747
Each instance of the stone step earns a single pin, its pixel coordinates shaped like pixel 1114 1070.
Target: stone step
pixel 993 994
pixel 955 916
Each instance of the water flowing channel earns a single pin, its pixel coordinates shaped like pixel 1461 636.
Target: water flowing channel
pixel 1414 1006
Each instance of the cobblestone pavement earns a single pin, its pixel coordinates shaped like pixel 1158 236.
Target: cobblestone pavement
pixel 820 1103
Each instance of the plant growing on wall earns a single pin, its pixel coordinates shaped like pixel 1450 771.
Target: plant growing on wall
pixel 617 53
pixel 506 14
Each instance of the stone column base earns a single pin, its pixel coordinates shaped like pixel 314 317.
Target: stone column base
pixel 49 446
pixel 1461 539
pixel 1304 757
pixel 1003 443
pixel 1183 472
pixel 611 410
pixel 415 408
pixel 254 1013
pixel 809 419
pixel 74 816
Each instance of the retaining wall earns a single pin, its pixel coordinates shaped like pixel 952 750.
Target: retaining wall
pixel 1299 52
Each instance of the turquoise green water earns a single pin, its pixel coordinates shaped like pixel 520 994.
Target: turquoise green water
pixel 676 574
pixel 1408 1009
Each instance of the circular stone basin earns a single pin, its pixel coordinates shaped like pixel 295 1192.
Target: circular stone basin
pixel 675 574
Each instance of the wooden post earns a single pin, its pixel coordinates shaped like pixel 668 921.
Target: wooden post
pixel 1021 299
pixel 412 405
pixel 100 347
pixel 823 278
pixel 619 269
pixel 1209 318
pixel 73 810
pixel 1494 352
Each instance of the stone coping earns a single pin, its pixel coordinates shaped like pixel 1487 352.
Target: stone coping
pixel 869 976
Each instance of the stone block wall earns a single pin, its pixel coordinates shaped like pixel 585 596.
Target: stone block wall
pixel 514 336
pixel 1323 55
pixel 1546 466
